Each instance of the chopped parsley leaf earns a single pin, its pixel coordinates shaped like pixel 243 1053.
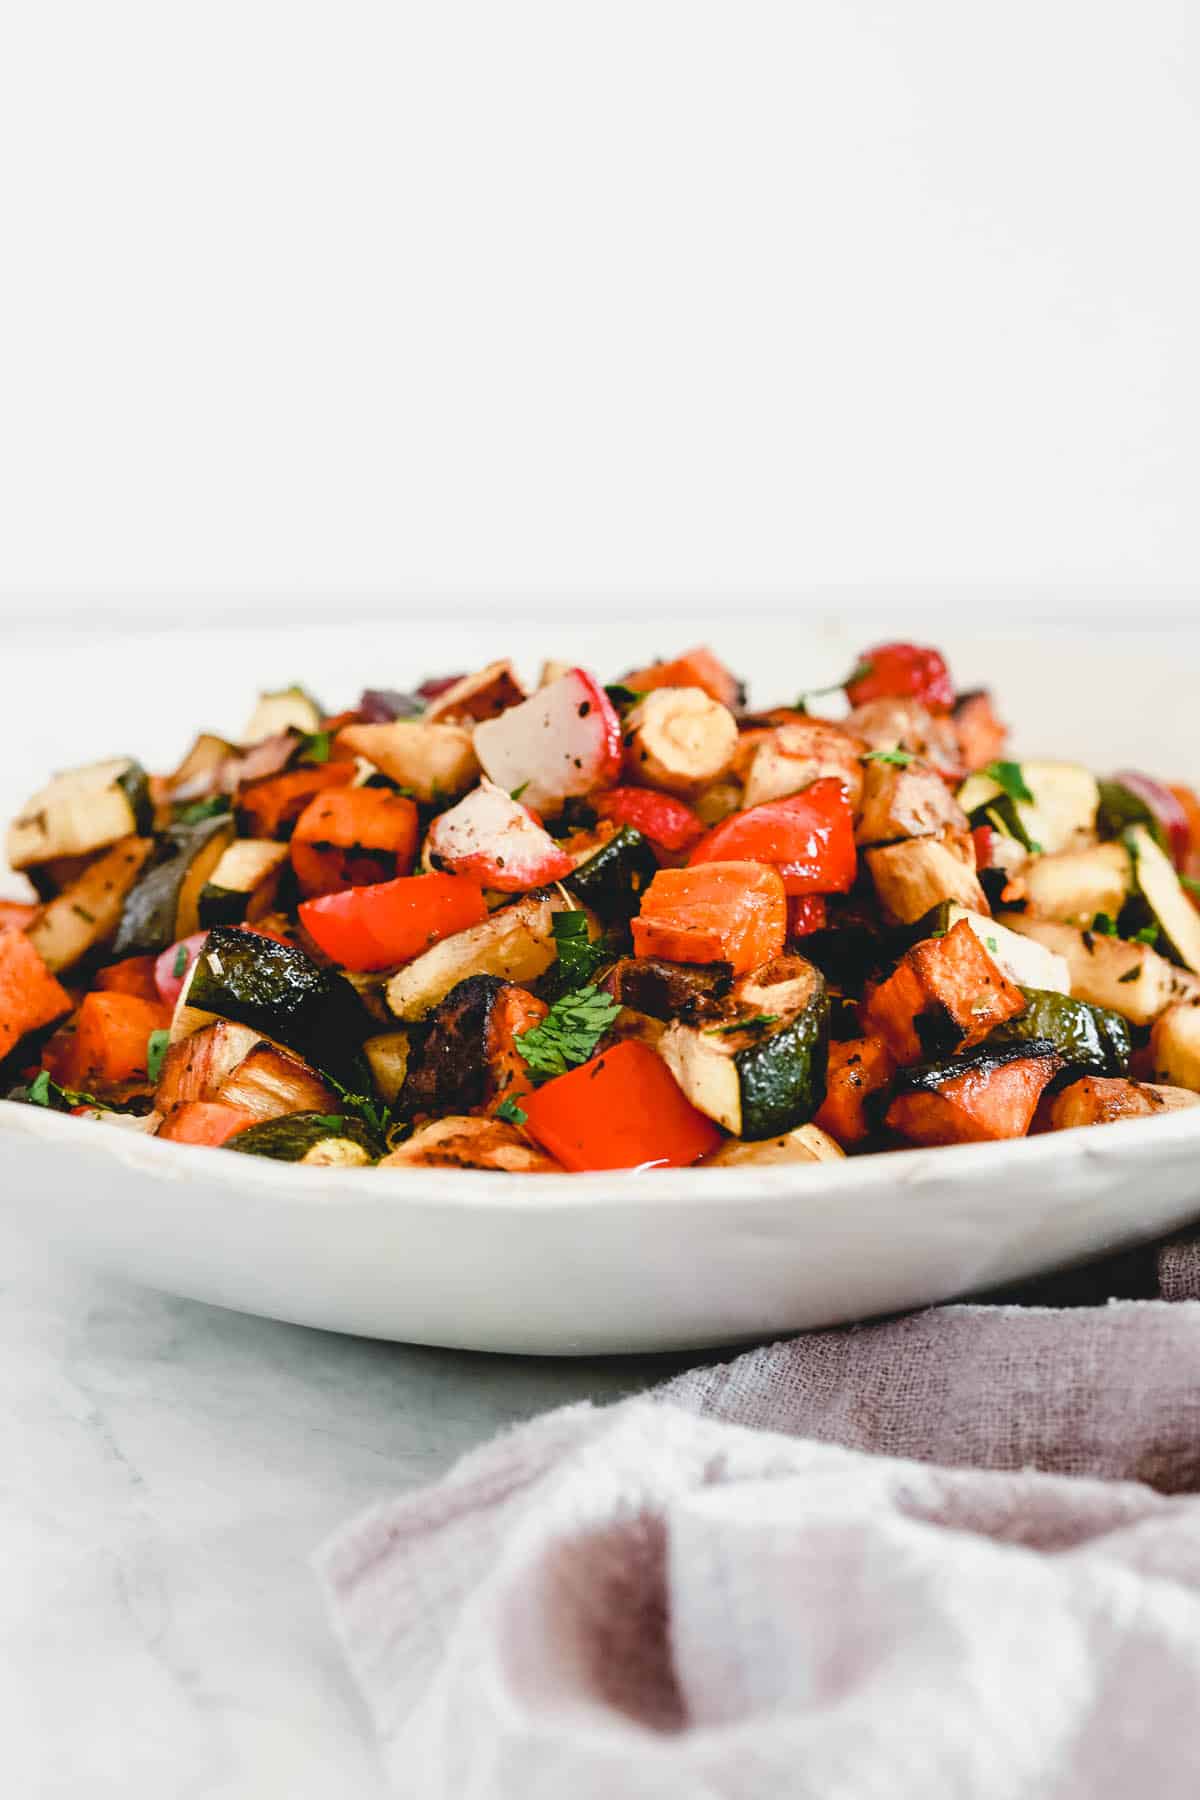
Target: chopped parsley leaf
pixel 515 793
pixel 511 1113
pixel 578 957
pixel 569 1033
pixel 375 1114
pixel 331 1122
pixel 315 748
pixel 1009 777
pixel 625 698
pixel 900 758
pixel 1190 883
pixel 156 1050
pixel 1103 926
pixel 179 966
pixel 992 945
pixel 1147 935
pixel 44 1092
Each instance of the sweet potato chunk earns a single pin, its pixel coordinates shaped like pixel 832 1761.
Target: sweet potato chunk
pixel 945 988
pixel 30 997
pixel 733 912
pixel 984 1102
pixel 858 1069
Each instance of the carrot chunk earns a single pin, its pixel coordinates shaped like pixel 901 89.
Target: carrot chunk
pixel 271 807
pixel 981 1104
pixel 734 912
pixel 512 1012
pixel 30 996
pixel 618 1111
pixel 350 837
pixel 111 1036
pixel 949 984
pixel 133 976
pixel 858 1069
pixel 698 668
pixel 205 1122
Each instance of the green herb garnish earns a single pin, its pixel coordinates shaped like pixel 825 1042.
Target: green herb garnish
pixel 751 1024
pixel 578 957
pixel 1103 926
pixel 569 1033
pixel 1002 816
pixel 625 698
pixel 376 1115
pixel 900 758
pixel 511 1113
pixel 1190 883
pixel 1147 935
pixel 333 1123
pixel 179 966
pixel 156 1050
pixel 315 748
pixel 44 1092
pixel 1009 777
pixel 859 673
pixel 515 793
pixel 211 808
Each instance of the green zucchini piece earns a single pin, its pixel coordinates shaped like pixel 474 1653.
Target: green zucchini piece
pixel 760 1070
pixel 163 905
pixel 1065 797
pixel 279 990
pixel 243 883
pixel 324 1139
pixel 1160 895
pixel 1090 1039
pixel 613 879
pixel 1120 807
pixel 80 812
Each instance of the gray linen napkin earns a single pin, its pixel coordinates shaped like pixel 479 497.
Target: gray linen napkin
pixel 877 1561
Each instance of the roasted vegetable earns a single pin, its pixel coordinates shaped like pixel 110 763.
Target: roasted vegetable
pixel 88 912
pixel 516 943
pixel 469 1058
pixel 858 1076
pixel 920 873
pixel 244 884
pixel 760 1070
pixel 164 903
pixel 1087 1038
pixel 669 990
pixel 992 1093
pixel 1165 904
pixel 791 757
pixel 495 840
pixel 282 993
pixel 319 1139
pixel 433 762
pixel 30 997
pixel 809 838
pixel 622 1110
pixel 679 739
pixel 82 811
pixel 389 922
pixel 1129 978
pixel 947 993
pixel 734 912
pixel 806 1144
pixel 613 879
pixel 468 1143
pixel 565 739
pixel 1097 1101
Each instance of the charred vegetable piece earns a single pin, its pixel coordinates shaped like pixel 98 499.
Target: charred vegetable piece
pixel 111 1045
pixel 920 873
pixel 612 881
pixel 319 1139
pixel 88 912
pixel 516 943
pixel 1131 979
pixel 734 912
pixel 352 836
pixel 270 808
pixel 1163 900
pixel 946 993
pixel 244 883
pixel 269 1084
pixel 667 823
pixel 791 757
pixel 621 1110
pixel 281 992
pixel 82 811
pixel 859 1074
pixel 164 904
pixel 1027 963
pixel 471 1143
pixel 1090 1038
pixel 390 922
pixel 667 990
pixel 476 697
pixel 679 739
pixel 469 1058
pixel 433 762
pixel 905 800
pixel 761 1069
pixel 966 1100
pixel 1096 1100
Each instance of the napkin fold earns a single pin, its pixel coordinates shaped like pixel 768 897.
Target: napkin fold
pixel 956 1553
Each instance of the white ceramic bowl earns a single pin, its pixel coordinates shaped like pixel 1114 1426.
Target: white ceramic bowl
pixel 578 1264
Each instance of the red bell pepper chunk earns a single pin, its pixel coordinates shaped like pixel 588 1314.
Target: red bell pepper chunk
pixel 983 838
pixel 809 838
pixel 388 923
pixel 903 671
pixel 669 825
pixel 806 913
pixel 619 1111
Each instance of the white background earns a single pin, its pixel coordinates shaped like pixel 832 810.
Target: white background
pixel 353 306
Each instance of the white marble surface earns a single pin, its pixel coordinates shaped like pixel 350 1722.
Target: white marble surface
pixel 166 1470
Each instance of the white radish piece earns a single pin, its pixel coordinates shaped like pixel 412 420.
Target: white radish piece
pixel 564 740
pixel 491 836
